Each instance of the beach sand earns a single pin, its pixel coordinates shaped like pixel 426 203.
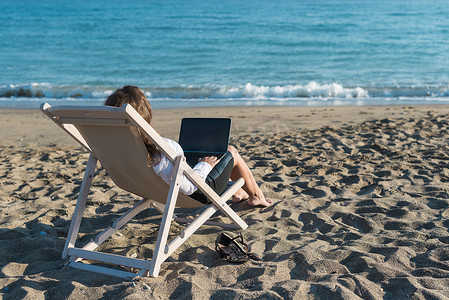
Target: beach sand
pixel 361 209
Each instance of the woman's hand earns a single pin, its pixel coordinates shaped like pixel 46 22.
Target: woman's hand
pixel 211 160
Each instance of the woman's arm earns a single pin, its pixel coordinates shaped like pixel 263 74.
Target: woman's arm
pixel 165 168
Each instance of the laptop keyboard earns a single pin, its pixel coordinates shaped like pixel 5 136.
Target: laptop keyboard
pixel 192 157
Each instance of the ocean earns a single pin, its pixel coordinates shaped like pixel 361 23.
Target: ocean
pixel 219 53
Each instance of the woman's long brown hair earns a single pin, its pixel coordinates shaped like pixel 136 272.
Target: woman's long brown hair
pixel 136 98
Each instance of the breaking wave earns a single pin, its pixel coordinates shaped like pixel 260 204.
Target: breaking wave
pixel 312 90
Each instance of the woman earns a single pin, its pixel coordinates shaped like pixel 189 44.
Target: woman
pixel 216 173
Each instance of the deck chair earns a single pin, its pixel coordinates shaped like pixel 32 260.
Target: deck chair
pixel 112 136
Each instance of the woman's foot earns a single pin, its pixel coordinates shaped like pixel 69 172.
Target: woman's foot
pixel 240 196
pixel 260 200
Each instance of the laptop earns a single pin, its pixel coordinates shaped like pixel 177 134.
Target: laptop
pixel 201 137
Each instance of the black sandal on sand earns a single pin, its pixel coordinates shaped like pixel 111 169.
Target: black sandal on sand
pixel 245 248
pixel 234 249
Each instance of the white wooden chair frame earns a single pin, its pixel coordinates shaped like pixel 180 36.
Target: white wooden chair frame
pixel 69 118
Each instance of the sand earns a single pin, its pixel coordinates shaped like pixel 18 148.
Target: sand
pixel 361 209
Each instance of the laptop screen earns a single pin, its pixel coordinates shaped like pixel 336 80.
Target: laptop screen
pixel 205 134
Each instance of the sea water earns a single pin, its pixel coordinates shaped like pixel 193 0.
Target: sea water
pixel 225 52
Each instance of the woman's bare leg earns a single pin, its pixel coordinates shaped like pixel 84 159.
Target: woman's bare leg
pixel 253 193
pixel 240 196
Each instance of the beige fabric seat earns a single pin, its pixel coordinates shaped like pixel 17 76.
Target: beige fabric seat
pixel 111 135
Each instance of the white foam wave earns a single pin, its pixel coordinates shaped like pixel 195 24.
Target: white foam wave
pixel 309 90
pixel 312 90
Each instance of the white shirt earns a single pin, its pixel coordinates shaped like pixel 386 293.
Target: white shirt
pixel 165 169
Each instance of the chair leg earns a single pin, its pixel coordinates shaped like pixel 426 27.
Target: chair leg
pixel 80 205
pixel 164 228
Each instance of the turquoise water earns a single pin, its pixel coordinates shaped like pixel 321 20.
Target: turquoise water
pixel 200 53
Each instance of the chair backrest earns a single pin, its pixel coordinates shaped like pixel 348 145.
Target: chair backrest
pixel 112 135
